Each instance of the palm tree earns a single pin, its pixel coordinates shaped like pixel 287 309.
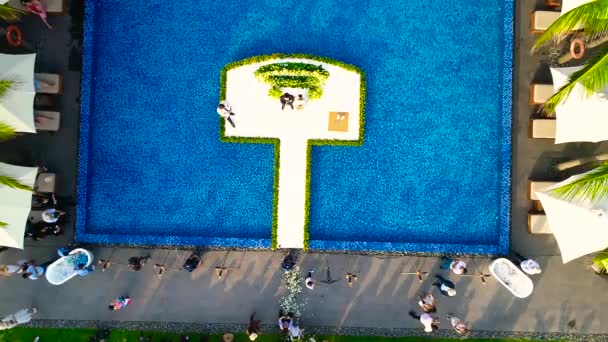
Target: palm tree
pixel 593 17
pixel 591 186
pixel 6 132
pixel 601 260
pixel 10 14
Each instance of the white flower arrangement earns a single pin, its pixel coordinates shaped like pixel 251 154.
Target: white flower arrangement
pixel 292 281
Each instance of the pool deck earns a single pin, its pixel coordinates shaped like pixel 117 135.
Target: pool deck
pixel 568 299
pixel 259 116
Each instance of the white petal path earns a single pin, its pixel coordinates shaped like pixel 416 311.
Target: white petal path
pixel 260 116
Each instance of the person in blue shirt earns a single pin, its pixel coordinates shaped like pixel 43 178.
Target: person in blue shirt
pixel 84 271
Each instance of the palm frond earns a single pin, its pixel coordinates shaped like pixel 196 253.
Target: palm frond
pixel 601 259
pixel 6 132
pixel 13 183
pixel 6 84
pixel 10 14
pixel 3 224
pixel 591 186
pixel 593 77
pixel 592 17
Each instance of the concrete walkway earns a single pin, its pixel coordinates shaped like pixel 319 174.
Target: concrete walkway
pixel 259 116
pixel 567 298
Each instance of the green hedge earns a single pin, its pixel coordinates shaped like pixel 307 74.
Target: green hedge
pixel 292 69
pixel 293 75
pixel 277 143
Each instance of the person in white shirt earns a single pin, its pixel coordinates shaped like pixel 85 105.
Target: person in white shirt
pixel 446 287
pixel 427 303
pixel 528 265
pixel 458 325
pixel 19 317
pixel 459 267
pixel 309 282
pixel 225 110
pixel 429 322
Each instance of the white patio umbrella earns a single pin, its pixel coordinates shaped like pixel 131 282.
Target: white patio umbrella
pixel 568 5
pixel 579 226
pixel 579 117
pixel 15 204
pixel 17 105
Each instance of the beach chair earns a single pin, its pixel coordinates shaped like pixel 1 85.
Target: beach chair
pixel 538 224
pixel 540 93
pixel 541 20
pixel 542 129
pixel 55 79
pixel 533 187
pixel 47 121
pixel 52 6
pixel 582 161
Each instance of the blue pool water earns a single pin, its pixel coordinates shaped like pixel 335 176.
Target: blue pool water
pixel 433 172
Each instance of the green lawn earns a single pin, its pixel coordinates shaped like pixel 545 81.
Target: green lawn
pixel 84 335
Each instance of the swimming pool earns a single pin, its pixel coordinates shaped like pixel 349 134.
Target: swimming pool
pixel 433 173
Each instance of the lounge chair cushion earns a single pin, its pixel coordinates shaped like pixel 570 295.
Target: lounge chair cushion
pixel 540 93
pixel 541 20
pixel 53 79
pixel 45 182
pixel 537 186
pixel 52 6
pixel 47 121
pixel 538 224
pixel 542 128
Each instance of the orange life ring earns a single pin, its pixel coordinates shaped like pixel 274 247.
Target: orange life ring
pixel 14 35
pixel 577 43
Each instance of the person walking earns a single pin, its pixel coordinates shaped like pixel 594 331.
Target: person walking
pixel 136 263
pixel 120 302
pixel 458 325
pixel 287 99
pixel 457 266
pixel 429 322
pixel 33 271
pixel 193 261
pixel 309 282
pixel 528 265
pixel 285 321
pixel 445 286
pixel 253 329
pixel 427 303
pixel 225 111
pixel 19 317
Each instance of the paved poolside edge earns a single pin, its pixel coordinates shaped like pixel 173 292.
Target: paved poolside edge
pixel 219 328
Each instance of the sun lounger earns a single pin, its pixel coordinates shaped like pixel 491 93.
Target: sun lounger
pixel 45 182
pixel 538 224
pixel 582 161
pixel 511 277
pixel 55 81
pixel 47 120
pixel 64 268
pixel 534 186
pixel 541 20
pixel 52 6
pixel 542 129
pixel 540 93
